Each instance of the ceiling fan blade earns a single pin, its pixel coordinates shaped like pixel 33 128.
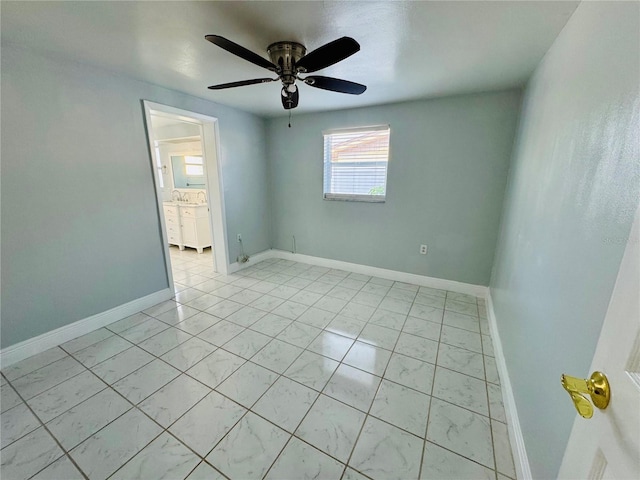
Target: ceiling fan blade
pixel 240 51
pixel 241 83
pixel 328 54
pixel 335 84
pixel 289 99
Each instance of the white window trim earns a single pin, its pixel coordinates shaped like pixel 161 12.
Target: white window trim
pixel 345 197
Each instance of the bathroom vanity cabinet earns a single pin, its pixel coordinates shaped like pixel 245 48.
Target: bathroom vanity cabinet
pixel 187 225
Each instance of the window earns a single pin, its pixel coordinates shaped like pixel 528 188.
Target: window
pixel 193 166
pixel 355 164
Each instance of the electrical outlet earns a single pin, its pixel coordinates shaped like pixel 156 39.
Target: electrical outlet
pixel 423 249
pixel 239 238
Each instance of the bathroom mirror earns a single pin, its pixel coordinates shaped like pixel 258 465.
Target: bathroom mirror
pixel 188 171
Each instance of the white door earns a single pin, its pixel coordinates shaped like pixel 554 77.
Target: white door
pixel 608 444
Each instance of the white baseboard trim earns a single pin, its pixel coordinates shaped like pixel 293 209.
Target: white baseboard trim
pixel 253 259
pixel 422 280
pixel 518 448
pixel 39 344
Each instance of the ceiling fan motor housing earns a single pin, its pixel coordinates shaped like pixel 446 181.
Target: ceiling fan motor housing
pixel 285 55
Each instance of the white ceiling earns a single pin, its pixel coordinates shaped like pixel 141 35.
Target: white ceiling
pixel 409 50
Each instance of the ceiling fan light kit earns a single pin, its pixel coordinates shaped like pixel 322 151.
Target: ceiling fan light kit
pixel 289 60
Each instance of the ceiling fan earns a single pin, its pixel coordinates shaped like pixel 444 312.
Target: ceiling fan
pixel 289 60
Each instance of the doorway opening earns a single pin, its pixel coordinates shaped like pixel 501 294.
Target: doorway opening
pixel 185 161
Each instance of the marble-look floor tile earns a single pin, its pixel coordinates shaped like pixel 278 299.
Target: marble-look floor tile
pixel 487 346
pixel 122 364
pixel 33 363
pixel 101 351
pixel 282 291
pixel 29 455
pixel 277 355
pixel 433 292
pixel 187 354
pixel 496 407
pixel 138 385
pixel 330 304
pixel 461 360
pixel 351 474
pixel 247 343
pixel 224 308
pixel 368 358
pixel 299 334
pixel 290 310
pixel 44 378
pixel 372 287
pixel 460 320
pixel 410 372
pixel 504 459
pixel 246 316
pixel 461 307
pixel 379 336
pixel 198 323
pixel 144 330
pixel 160 308
pixel 345 326
pixel 202 427
pixel 484 326
pixel 129 322
pixel 352 283
pixel 174 399
pixel 247 384
pixel 271 325
pixel 491 370
pixel 312 370
pixel 357 311
pixel 301 461
pixel 85 419
pixel 215 368
pixel 319 287
pixel 164 341
pixel 204 301
pixel 286 403
pixel 353 387
pixel 8 398
pixel 61 469
pixel 368 299
pixel 386 452
pixel 103 453
pixel 395 305
pixel 340 292
pixel 87 340
pixel 401 294
pixel 16 423
pixel 429 300
pixel 316 317
pixel 443 464
pixel 461 338
pixel 249 449
pixel 462 390
pixel 332 426
pixel 163 459
pixel 306 298
pixel 461 297
pixel 385 318
pixel 178 314
pixel 62 397
pixel 331 345
pixel 226 291
pixel 220 333
pixel 298 282
pixel 425 312
pixel 402 407
pixel 461 431
pixel 418 347
pixel 267 302
pixel 204 471
pixel 422 328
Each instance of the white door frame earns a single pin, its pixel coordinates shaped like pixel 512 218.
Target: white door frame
pixel 213 170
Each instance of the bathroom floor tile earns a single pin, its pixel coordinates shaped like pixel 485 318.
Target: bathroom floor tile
pixel 286 403
pixel 401 406
pixel 247 384
pixel 353 387
pixel 277 355
pixel 301 461
pixel 312 370
pixel 29 455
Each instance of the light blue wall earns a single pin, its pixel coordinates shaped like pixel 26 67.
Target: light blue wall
pixel 447 174
pixel 573 188
pixel 80 229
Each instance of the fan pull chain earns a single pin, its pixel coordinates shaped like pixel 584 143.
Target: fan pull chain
pixel 289 118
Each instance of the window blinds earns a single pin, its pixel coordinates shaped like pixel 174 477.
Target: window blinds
pixel 355 163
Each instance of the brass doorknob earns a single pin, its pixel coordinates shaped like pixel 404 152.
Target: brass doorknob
pixel 596 386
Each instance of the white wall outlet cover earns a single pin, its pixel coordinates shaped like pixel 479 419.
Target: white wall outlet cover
pixel 423 249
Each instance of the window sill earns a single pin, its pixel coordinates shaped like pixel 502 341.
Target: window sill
pixel 355 198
